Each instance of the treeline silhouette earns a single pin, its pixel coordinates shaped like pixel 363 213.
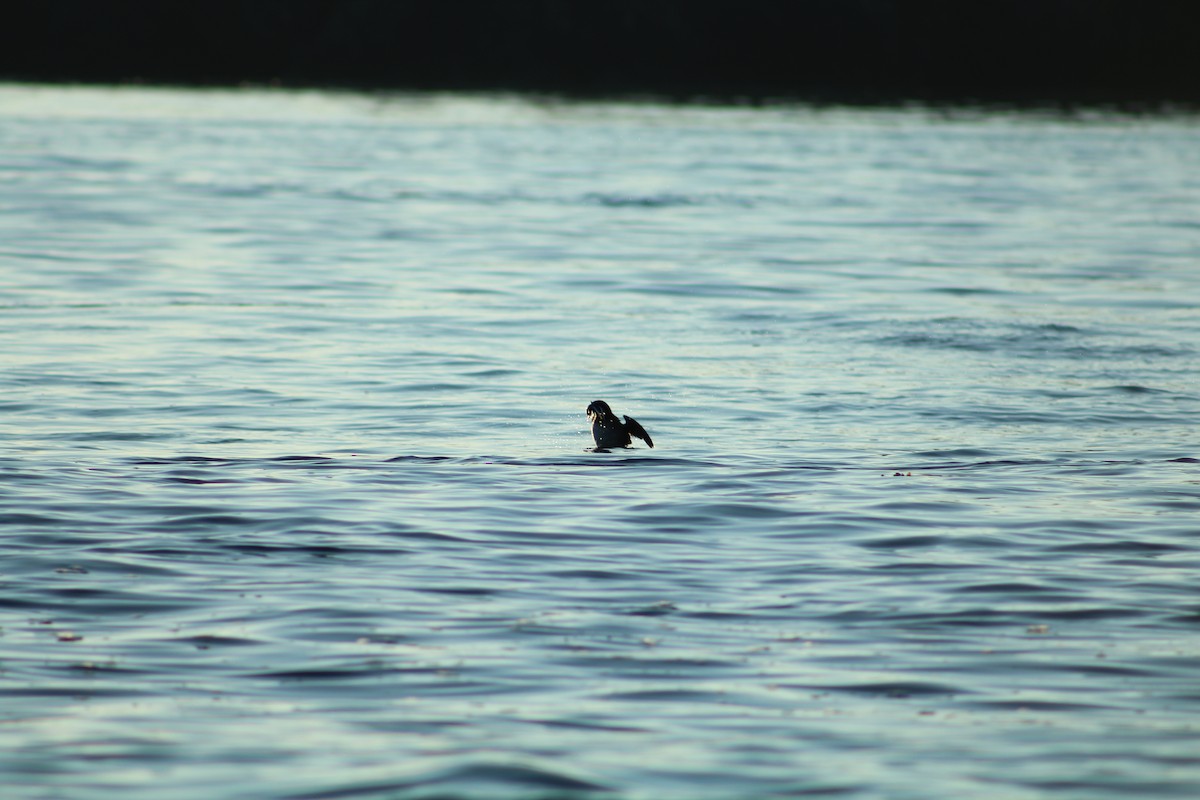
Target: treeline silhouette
pixel 1008 51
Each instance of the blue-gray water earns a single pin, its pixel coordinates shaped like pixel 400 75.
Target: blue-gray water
pixel 296 500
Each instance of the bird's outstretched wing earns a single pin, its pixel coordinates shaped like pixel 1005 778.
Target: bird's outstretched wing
pixel 635 429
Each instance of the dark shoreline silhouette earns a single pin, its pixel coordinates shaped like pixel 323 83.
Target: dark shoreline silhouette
pixel 1020 52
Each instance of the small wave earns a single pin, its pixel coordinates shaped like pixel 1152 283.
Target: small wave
pixel 1092 614
pixel 1035 705
pixel 206 521
pixel 638 201
pixel 1131 546
pixel 595 198
pixel 114 436
pixel 207 641
pixel 1009 588
pixel 666 200
pixel 902 542
pixel 669 696
pixel 966 291
pixel 463 780
pixel 1026 340
pixel 892 689
pixel 720 290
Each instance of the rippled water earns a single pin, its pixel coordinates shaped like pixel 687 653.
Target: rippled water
pixel 296 499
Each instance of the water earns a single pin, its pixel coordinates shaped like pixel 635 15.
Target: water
pixel 297 501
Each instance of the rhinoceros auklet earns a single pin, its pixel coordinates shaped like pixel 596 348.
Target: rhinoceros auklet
pixel 608 431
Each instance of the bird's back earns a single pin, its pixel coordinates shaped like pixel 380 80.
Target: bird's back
pixel 610 435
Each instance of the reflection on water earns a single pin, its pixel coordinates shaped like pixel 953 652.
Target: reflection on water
pixel 297 499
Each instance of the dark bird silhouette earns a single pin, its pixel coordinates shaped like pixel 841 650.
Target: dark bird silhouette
pixel 608 431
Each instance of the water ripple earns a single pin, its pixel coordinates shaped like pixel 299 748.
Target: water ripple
pixel 296 494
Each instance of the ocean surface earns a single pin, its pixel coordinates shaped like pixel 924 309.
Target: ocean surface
pixel 297 501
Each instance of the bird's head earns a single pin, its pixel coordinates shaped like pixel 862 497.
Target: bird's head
pixel 598 408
